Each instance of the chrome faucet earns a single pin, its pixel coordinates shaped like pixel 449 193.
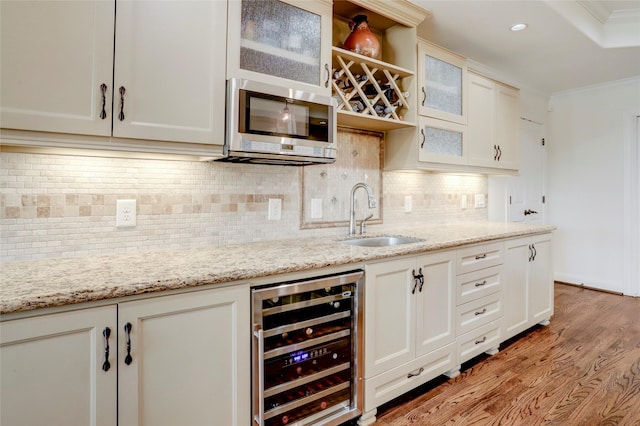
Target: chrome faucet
pixel 352 211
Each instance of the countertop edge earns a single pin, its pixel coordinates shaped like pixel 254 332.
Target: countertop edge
pixel 116 283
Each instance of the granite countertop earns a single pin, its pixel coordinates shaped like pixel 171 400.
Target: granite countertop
pixel 29 285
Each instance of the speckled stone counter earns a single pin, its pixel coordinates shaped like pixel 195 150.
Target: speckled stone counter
pixel 29 285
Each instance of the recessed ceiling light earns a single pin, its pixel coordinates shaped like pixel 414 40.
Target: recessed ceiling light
pixel 518 27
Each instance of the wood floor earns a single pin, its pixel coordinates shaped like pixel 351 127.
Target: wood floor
pixel 582 370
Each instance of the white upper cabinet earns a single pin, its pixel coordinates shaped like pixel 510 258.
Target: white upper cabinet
pixel 442 79
pixel 162 81
pixel 494 117
pixel 54 58
pixel 287 43
pixel 169 59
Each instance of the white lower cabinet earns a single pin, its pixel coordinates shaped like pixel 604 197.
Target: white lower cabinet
pixel 528 292
pixel 409 331
pixel 190 359
pixel 52 369
pixel 189 363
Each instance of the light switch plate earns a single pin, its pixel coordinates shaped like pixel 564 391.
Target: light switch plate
pixel 275 209
pixel 464 202
pixel 316 208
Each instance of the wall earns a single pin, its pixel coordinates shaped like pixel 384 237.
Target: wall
pixel 63 206
pixel 586 175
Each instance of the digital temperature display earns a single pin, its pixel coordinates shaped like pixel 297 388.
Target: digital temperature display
pixel 299 357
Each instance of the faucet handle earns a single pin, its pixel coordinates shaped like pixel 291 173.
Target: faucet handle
pixel 363 224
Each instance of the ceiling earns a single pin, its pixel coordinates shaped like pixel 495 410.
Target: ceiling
pixel 567 44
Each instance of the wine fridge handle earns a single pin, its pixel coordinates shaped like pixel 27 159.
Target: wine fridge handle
pixel 259 334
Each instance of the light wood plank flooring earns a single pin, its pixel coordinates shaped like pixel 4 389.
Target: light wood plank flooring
pixel 582 370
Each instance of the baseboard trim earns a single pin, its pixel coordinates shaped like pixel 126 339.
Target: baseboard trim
pixel 586 287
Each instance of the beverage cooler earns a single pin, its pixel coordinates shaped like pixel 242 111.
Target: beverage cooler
pixel 306 351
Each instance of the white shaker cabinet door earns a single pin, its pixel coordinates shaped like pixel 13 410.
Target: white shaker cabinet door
pixel 389 315
pixel 169 72
pixel 55 58
pixel 185 359
pixel 53 369
pixel 435 302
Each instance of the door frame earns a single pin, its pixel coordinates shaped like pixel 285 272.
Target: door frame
pixel 631 223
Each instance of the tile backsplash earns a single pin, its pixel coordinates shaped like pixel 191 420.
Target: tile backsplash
pixel 63 206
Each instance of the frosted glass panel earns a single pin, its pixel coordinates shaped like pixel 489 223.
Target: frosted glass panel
pixel 444 86
pixel 443 142
pixel 280 40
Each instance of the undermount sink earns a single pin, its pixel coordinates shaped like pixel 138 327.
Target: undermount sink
pixel 381 241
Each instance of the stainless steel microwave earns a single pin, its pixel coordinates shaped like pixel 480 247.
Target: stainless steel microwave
pixel 270 124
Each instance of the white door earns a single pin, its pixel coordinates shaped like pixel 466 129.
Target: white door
pixel 53 369
pixel 526 191
pixel 190 359
pixel 170 63
pixel 55 56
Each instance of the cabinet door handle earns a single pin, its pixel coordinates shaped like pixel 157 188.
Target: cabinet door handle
pixel 127 332
pixel 481 284
pixel 481 256
pixel 499 153
pixel 424 98
pixel 415 281
pixel 424 138
pixel 106 333
pixel 483 311
pixel 326 68
pixel 495 153
pixel 103 89
pixel 122 91
pixel 410 375
pixel 421 279
pixel 535 252
pixel 484 339
pixel 530 253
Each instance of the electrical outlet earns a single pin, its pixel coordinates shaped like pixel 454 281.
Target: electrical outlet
pixel 125 213
pixel 275 209
pixel 408 203
pixel 479 202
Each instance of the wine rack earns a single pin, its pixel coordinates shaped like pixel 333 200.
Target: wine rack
pixel 369 92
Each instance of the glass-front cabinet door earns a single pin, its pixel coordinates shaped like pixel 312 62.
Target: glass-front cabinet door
pixel 442 141
pixel 287 43
pixel 443 84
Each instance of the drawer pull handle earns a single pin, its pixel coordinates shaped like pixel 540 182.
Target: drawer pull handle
pixel 410 375
pixel 484 339
pixel 484 311
pixel 481 256
pixel 481 284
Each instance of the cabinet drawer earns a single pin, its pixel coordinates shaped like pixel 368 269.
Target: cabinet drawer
pixel 477 284
pixel 395 382
pixel 478 312
pixel 479 340
pixel 480 257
